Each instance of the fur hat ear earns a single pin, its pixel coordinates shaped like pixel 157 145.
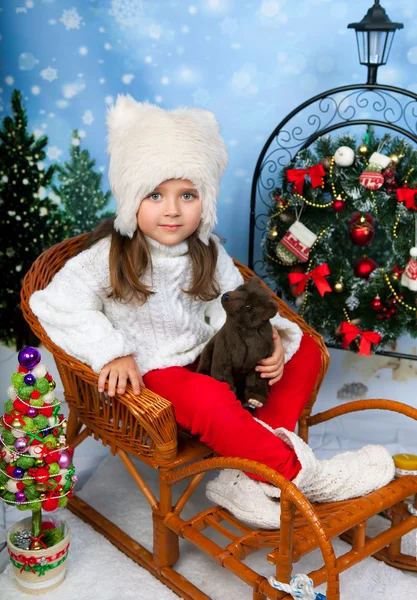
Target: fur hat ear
pixel 270 310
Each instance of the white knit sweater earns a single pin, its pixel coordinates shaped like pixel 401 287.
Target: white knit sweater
pixel 170 329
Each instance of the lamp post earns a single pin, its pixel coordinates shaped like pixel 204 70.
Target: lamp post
pixel 374 36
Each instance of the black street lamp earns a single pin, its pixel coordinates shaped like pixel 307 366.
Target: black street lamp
pixel 374 35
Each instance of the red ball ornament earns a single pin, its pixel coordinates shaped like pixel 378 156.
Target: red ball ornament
pixel 376 303
pixel 46 410
pixel 338 205
pixel 35 394
pixel 20 486
pixel 50 504
pixel 20 406
pixel 361 229
pixel 22 369
pixel 42 474
pixel 364 267
pixel 51 457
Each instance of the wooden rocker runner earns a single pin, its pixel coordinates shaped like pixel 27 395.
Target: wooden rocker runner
pixel 145 427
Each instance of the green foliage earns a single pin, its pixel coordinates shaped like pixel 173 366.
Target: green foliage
pixel 29 222
pixel 80 190
pixel 335 247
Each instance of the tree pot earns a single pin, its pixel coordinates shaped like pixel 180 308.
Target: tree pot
pixel 38 571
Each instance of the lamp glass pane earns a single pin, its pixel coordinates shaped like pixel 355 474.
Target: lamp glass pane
pixel 376 47
pixel 362 41
pixel 388 45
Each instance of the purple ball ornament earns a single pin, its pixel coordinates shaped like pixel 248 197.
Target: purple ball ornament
pixel 29 357
pixel 20 496
pixel 29 379
pixel 31 412
pixel 21 445
pixel 18 472
pixel 64 460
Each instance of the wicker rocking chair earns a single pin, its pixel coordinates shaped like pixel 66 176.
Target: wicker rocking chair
pixel 145 428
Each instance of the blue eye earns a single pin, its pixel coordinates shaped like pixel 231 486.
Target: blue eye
pixel 154 196
pixel 188 196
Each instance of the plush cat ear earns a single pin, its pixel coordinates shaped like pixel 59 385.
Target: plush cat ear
pixel 126 111
pixel 254 280
pixel 270 310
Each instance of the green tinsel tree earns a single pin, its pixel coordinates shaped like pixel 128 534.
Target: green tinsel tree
pixel 30 222
pixel 367 287
pixel 80 190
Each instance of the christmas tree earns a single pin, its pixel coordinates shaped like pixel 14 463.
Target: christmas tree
pixel 36 470
pixel 80 190
pixel 341 229
pixel 29 221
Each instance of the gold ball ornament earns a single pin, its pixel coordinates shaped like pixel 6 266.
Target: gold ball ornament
pixel 395 276
pixel 64 424
pixel 339 287
pixel 394 158
pixel 272 234
pixel 42 496
pixel 40 487
pixel 39 462
pixel 52 386
pixel 2 489
pixel 16 423
pixel 363 149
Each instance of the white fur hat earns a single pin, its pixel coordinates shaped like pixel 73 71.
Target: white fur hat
pixel 149 145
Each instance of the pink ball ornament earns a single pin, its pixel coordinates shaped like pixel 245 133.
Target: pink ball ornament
pixel 64 460
pixel 29 357
pixel 31 412
pixel 20 445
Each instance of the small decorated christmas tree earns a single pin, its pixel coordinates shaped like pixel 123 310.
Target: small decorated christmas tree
pixel 36 470
pixel 80 190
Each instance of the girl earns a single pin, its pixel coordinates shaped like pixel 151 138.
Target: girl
pixel 143 299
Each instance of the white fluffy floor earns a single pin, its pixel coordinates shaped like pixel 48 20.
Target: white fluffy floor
pixel 98 569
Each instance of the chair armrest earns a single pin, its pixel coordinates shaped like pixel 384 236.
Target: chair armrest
pixel 357 405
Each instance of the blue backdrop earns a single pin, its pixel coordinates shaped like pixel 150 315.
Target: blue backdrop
pixel 250 62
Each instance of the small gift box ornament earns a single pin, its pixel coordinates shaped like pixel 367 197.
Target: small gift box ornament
pixel 372 177
pixel 295 245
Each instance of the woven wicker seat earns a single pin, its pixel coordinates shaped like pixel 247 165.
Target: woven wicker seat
pixel 145 427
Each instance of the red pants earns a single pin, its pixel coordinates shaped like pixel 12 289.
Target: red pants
pixel 209 409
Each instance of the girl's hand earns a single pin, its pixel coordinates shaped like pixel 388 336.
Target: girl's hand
pixel 119 371
pixel 272 368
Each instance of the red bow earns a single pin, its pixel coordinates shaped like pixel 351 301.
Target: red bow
pixel 27 561
pixel 350 332
pixel 16 414
pixel 397 270
pixel 407 196
pixel 317 275
pixel 296 176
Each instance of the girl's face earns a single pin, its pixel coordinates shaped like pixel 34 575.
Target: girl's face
pixel 171 213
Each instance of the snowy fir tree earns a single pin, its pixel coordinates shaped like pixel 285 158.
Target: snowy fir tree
pixel 36 469
pixel 80 190
pixel 340 242
pixel 29 220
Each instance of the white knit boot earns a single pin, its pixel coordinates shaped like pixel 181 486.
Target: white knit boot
pixel 347 475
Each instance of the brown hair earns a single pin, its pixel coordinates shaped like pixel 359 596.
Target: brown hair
pixel 129 258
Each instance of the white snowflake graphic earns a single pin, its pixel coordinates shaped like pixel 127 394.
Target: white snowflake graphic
pixel 49 74
pixel 88 117
pixel 72 89
pixel 75 142
pixel 201 96
pixel 71 19
pixel 128 78
pixel 53 153
pixel 127 12
pixel 229 26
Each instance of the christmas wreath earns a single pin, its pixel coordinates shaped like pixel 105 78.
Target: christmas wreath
pixel 340 242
